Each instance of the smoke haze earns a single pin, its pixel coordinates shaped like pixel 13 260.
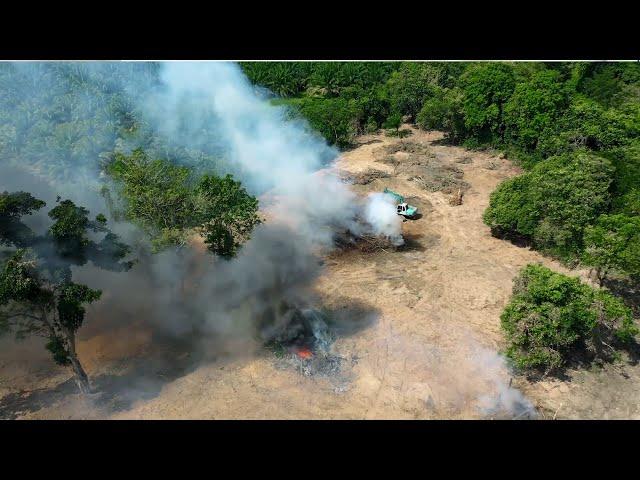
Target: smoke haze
pixel 211 108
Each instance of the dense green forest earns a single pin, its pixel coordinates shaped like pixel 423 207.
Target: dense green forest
pixel 574 127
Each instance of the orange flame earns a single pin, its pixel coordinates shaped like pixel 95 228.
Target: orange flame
pixel 304 352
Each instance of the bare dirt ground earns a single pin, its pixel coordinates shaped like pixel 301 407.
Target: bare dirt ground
pixel 420 341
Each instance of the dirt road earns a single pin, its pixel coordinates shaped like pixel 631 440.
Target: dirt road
pixel 419 339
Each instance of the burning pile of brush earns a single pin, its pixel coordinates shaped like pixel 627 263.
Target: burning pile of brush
pixel 365 243
pixel 303 342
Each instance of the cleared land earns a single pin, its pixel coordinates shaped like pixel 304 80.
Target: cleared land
pixel 418 328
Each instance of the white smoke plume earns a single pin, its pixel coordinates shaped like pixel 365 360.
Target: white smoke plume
pixel 269 153
pixel 211 106
pixel 380 213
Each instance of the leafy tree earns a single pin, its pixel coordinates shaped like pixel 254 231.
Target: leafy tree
pixel 487 88
pixel 604 81
pixel 443 111
pixel 511 210
pixel 613 244
pixel 552 316
pixel 156 194
pixel 282 78
pixel 411 85
pixel 12 207
pixel 587 124
pixel 37 293
pixel 625 188
pixel 393 122
pixel 554 202
pixel 225 212
pixel 371 126
pixel 534 107
pixel 336 119
pixel 169 202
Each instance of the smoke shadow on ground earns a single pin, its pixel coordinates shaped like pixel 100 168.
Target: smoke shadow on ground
pixel 346 316
pixel 143 378
pixel 140 379
pixel 16 404
pixel 416 242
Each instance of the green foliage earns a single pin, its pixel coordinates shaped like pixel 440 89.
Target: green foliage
pixel 552 316
pixel 15 205
pixel 393 122
pixel 604 82
pixel 511 210
pixel 283 78
pixel 443 111
pixel 55 116
pixel 411 85
pixel 71 297
pixel 371 126
pixel 336 119
pixel 59 351
pixel 289 79
pixel 534 108
pixel 226 213
pixel 69 230
pixel 487 88
pixel 20 281
pixel 12 207
pixel 613 243
pixel 37 294
pixel 554 202
pixel 626 182
pixel 157 195
pixel 169 203
pixel 587 124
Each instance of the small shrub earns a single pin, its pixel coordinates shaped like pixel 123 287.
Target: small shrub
pixel 552 316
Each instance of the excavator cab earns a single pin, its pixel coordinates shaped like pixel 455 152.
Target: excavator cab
pixel 406 210
pixel 402 208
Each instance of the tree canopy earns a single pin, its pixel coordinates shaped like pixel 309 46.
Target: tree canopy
pixel 170 202
pixel 37 293
pixel 552 317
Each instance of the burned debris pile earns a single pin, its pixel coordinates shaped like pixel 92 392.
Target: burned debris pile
pixel 304 344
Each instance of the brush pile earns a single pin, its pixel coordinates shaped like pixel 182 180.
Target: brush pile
pixel 304 344
pixel 408 147
pixel 346 241
pixel 368 176
pixel 422 166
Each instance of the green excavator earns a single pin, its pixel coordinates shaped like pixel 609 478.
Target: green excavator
pixel 403 208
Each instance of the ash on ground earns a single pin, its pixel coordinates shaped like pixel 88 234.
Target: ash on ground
pixel 306 346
